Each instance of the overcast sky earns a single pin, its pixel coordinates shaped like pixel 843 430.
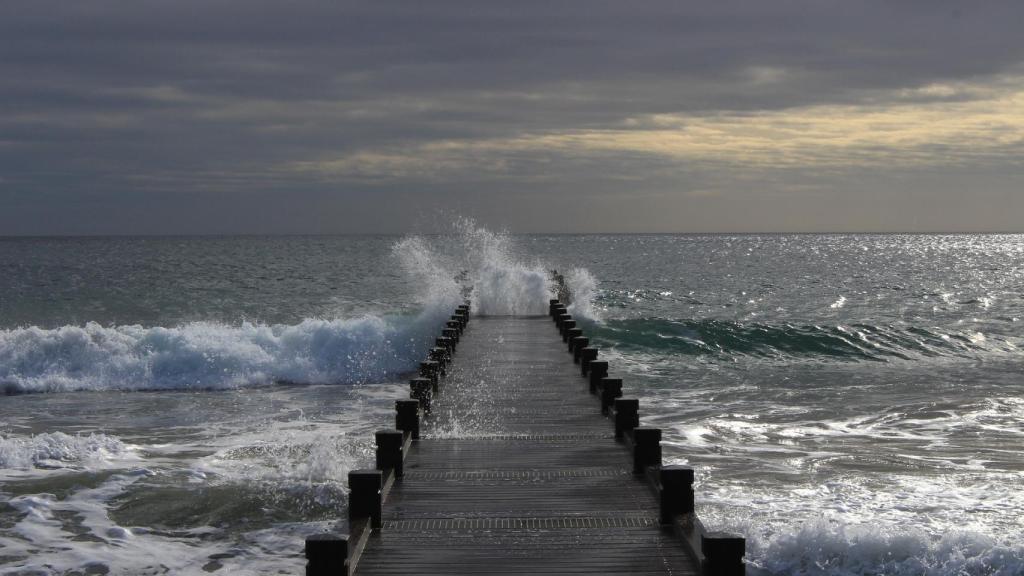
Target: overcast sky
pixel 210 116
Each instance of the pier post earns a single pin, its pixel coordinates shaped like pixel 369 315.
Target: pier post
pixel 407 417
pixel 566 326
pixel 389 450
pixel 557 310
pixel 577 351
pixel 562 319
pixel 723 554
pixel 587 355
pixel 422 390
pixel 551 306
pixel 575 344
pixel 451 334
pixel 439 355
pixel 364 500
pixel 571 333
pixel 598 370
pixel 430 370
pixel 627 416
pixel 327 555
pixel 646 449
pixel 454 325
pixel 676 491
pixel 611 388
pixel 445 343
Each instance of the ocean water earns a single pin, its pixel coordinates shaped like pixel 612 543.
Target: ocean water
pixel 852 404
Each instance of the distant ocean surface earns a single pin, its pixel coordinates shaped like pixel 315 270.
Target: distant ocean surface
pixel 854 404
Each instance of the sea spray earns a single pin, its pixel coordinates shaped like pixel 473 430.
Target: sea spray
pixel 204 355
pixel 60 450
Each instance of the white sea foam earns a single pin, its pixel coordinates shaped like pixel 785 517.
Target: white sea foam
pixel 60 450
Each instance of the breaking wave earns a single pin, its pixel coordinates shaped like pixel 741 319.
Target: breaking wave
pixel 472 262
pixel 853 342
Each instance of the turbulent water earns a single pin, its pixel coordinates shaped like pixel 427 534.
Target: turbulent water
pixel 853 404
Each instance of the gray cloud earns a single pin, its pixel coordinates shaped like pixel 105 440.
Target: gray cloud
pixel 127 117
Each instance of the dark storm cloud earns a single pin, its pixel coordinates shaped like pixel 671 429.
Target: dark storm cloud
pixel 247 116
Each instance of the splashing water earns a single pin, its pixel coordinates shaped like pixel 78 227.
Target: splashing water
pixel 213 355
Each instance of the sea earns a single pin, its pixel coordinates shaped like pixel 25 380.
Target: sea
pixel 852 404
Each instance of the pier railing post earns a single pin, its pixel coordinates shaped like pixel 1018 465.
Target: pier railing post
pixel 646 449
pixel 587 355
pixel 364 498
pixel 422 390
pixel 407 417
pixel 723 554
pixel 598 370
pixel 439 355
pixel 575 344
pixel 572 333
pixel 566 326
pixel 327 555
pixel 579 347
pixel 431 371
pixel 676 491
pixel 389 451
pixel 454 324
pixel 611 388
pixel 562 319
pixel 627 416
pixel 445 343
pixel 453 335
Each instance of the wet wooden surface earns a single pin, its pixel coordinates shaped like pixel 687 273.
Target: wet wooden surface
pixel 518 472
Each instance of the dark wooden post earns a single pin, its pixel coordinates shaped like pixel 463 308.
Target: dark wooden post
pixel 422 390
pixel 611 388
pixel 587 355
pixel 551 306
pixel 557 311
pixel 577 341
pixel 627 416
pixel 364 499
pixel 407 417
pixel 578 347
pixel 646 449
pixel 676 491
pixel 598 369
pixel 389 450
pixel 723 554
pixel 566 326
pixel 440 355
pixel 570 335
pixel 445 343
pixel 562 319
pixel 452 335
pixel 327 555
pixel 454 325
pixel 430 370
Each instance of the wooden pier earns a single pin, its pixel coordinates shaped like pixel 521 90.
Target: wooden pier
pixel 508 460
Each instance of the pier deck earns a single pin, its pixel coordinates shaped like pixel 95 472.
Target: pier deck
pixel 517 472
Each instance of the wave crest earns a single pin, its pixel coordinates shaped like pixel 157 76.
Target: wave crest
pixel 843 342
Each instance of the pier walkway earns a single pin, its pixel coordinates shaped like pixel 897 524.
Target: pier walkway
pixel 517 471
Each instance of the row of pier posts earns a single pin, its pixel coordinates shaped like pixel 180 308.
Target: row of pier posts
pixel 718 554
pixel 333 554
